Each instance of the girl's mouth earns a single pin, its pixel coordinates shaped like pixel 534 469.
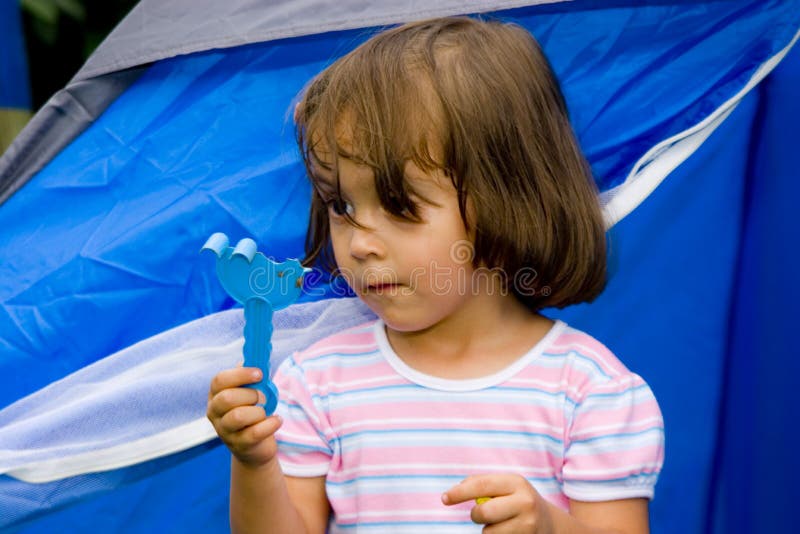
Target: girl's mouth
pixel 382 287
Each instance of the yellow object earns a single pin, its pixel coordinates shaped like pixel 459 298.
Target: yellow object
pixel 481 500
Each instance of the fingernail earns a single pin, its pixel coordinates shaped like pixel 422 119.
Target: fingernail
pixel 261 398
pixel 445 498
pixel 256 374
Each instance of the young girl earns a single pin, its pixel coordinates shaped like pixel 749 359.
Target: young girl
pixel 451 195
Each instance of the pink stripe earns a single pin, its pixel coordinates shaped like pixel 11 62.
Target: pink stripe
pixel 618 385
pixel 450 460
pixel 375 375
pixel 628 417
pixel 387 502
pixel 441 414
pixel 422 500
pixel 582 467
pixel 443 424
pixel 550 378
pixel 591 348
pixel 355 345
pixel 359 337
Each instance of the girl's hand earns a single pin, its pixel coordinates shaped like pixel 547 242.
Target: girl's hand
pixel 514 505
pixel 242 426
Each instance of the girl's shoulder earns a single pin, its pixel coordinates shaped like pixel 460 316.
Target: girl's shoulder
pixel 575 346
pixel 587 365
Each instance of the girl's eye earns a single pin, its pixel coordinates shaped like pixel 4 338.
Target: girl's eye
pixel 340 208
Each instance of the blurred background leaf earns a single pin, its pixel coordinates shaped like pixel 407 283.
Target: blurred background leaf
pixel 61 34
pixel 46 14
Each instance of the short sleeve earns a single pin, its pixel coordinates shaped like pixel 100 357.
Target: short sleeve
pixel 303 440
pixel 614 448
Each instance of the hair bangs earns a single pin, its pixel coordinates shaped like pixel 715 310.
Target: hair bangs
pixel 375 108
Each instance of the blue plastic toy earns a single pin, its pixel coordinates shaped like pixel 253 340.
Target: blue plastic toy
pixel 262 286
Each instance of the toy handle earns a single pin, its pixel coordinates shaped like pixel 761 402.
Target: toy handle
pixel 258 347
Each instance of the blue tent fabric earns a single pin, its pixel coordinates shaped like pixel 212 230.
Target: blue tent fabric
pixel 757 441
pixel 691 304
pixel 14 85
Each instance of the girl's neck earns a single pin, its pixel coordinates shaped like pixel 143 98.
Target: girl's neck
pixel 478 341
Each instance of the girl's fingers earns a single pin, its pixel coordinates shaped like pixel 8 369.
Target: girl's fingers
pixel 477 486
pixel 233 378
pixel 495 510
pixel 264 429
pixel 230 399
pixel 241 418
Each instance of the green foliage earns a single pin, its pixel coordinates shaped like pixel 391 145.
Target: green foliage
pixel 61 34
pixel 45 15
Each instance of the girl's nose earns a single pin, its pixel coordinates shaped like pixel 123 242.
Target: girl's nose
pixel 365 242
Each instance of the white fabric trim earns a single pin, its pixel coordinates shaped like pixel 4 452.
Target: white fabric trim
pixel 608 494
pixel 656 164
pixel 148 448
pixel 302 471
pixel 474 384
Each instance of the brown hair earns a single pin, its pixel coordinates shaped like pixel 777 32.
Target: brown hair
pixel 477 99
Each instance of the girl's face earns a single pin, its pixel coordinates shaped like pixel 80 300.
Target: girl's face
pixel 414 275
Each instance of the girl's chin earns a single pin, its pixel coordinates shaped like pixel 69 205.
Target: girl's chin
pixel 402 321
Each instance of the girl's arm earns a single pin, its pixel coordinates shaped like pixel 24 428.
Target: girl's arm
pixel 263 500
pixel 625 516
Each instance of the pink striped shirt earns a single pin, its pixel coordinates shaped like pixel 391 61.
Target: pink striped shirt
pixel 568 416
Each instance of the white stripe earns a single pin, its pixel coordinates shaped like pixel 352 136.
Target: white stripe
pixel 334 349
pixel 656 164
pixel 413 485
pixel 562 386
pixel 448 513
pixel 628 425
pixel 501 397
pixel 601 359
pixel 613 401
pixel 442 423
pixel 164 443
pixel 616 444
pixel 578 361
pixel 383 486
pixel 298 412
pixel 337 387
pixel 344 361
pixel 613 472
pixel 446 469
pixel 301 439
pixel 628 381
pixel 474 440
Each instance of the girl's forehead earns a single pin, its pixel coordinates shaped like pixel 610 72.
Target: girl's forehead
pixel 343 149
pixel 355 175
pixel 421 179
